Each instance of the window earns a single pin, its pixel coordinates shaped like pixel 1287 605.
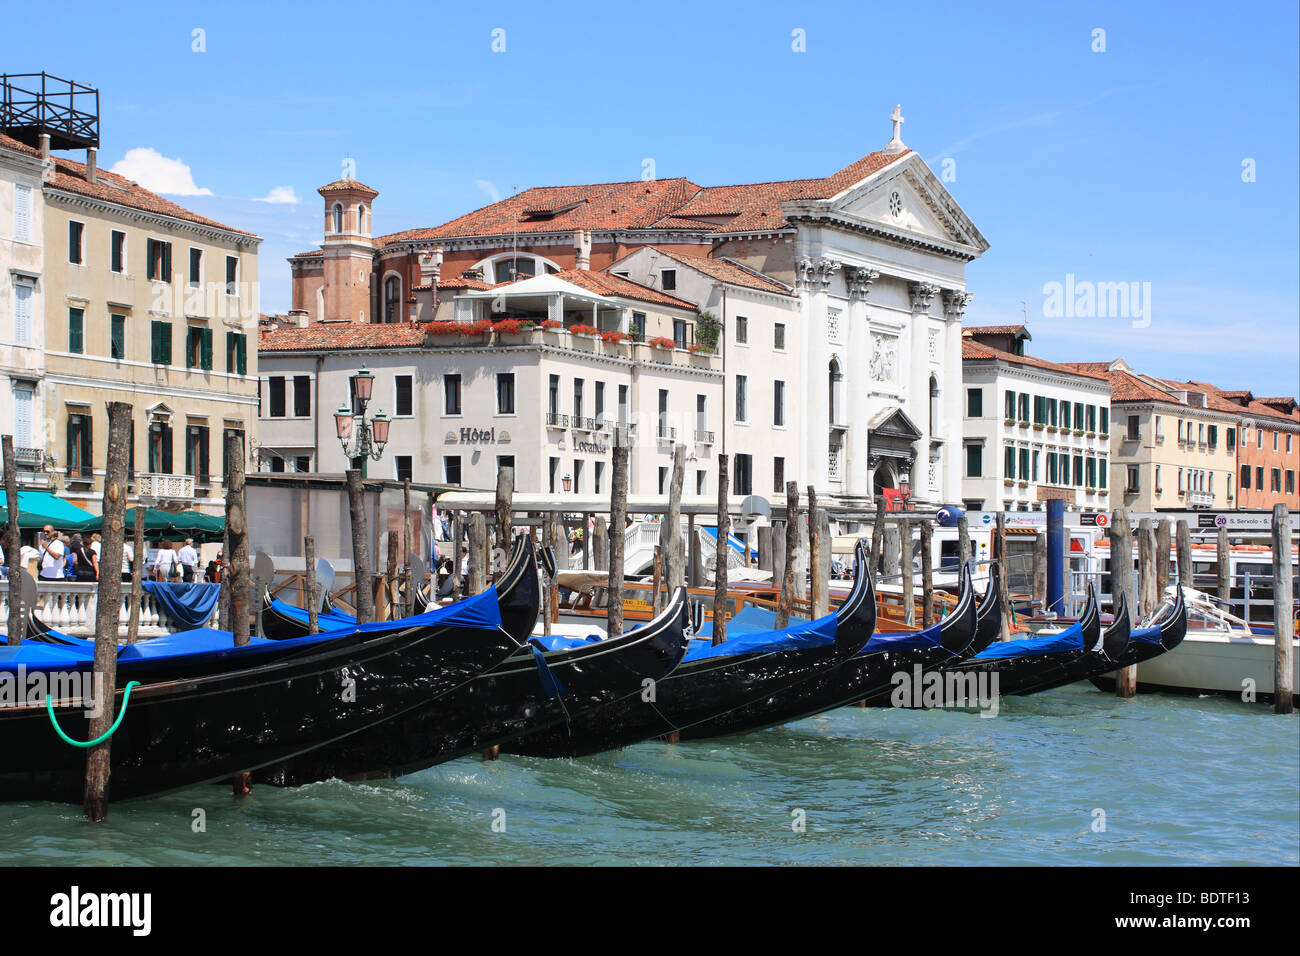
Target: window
pixel 600 402
pixel 1275 479
pixel 1052 411
pixel 1023 400
pixel 744 477
pixel 1040 410
pixel 23 213
pixel 1105 421
pixel 196 453
pixel 742 398
pixel 1024 464
pixel 1275 441
pixel 338 222
pixel 236 353
pixel 505 461
pixel 1160 432
pixel 1288 444
pixel 80 446
pixel 1259 438
pixel 778 403
pixel 1212 435
pixel 392 299
pixel 663 413
pixel 117 336
pixel 598 478
pixel 1132 478
pixel 1078 471
pixel 277 463
pixel 701 481
pixel 451 395
pixel 1259 478
pixel 117 251
pixel 1245 477
pixel 553 471
pixel 835 378
pixel 1180 431
pixel 577 476
pixel 227 434
pixel 1078 415
pixel 701 416
pixel 1230 439
pixel 1052 474
pixel 76 330
pixel 974 403
pixel 1010 404
pixel 196 266
pixel 158 260
pixel 1034 473
pixel 232 275
pixel 361 219
pixel 198 347
pixel 302 464
pixel 160 448
pixel 23 292
pixel 402 465
pixel 1092 472
pixel 670 278
pixel 76 237
pixel 553 396
pixel 578 388
pixel 663 480
pixel 778 336
pixel 1200 433
pixel 1290 482
pixel 742 330
pixel 1009 461
pixel 505 393
pixel 1158 485
pixel 1092 418
pixel 623 409
pixel 23 416
pixel 160 342
pixel 1101 473
pixel 514 267
pixel 679 333
pixel 451 469
pixel 638 326
pixel 301 396
pixel 1133 430
pixel 934 406
pixel 974 461
pixel 402 402
pixel 778 475
pixel 275 397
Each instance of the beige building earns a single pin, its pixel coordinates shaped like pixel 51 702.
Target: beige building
pixel 148 303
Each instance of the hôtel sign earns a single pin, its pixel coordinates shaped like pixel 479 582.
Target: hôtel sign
pixel 477 436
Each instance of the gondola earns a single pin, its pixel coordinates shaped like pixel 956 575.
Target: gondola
pixel 862 675
pixel 1166 631
pixel 712 680
pixel 546 683
pixel 282 620
pixel 183 731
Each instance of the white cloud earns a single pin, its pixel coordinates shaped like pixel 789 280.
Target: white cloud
pixel 156 172
pixel 280 194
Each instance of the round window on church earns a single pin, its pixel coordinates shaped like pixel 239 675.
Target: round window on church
pixel 895 204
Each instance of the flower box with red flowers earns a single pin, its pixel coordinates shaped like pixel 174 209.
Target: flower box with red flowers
pixel 662 342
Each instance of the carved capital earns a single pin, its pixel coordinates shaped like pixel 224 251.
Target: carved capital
pixel 954 304
pixel 815 275
pixel 922 294
pixel 860 282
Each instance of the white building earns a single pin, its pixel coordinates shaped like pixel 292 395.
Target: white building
pixel 1033 430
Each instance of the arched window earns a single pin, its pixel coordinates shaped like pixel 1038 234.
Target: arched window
pixel 835 377
pixel 361 219
pixel 338 217
pixel 392 298
pixel 934 405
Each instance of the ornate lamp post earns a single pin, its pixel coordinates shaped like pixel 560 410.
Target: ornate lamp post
pixel 361 438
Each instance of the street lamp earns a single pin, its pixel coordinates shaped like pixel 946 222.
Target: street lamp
pixel 361 438
pixel 567 482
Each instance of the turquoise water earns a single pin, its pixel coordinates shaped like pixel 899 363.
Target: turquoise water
pixel 1180 780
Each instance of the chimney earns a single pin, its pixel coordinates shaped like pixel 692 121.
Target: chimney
pixel 45 146
pixel 582 248
pixel 92 164
pixel 431 267
pixel 300 318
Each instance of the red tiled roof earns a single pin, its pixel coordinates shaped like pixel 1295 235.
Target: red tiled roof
pixel 464 283
pixel 1129 387
pixel 333 336
pixel 602 283
pixel 978 350
pixel 70 176
pixel 973 330
pixel 722 269
pixel 343 185
pixel 1218 400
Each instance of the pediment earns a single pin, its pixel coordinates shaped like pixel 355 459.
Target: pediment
pixel 893 423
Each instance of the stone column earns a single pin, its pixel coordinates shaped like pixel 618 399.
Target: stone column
pixel 857 383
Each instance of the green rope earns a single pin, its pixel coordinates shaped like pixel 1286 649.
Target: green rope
pixel 126 696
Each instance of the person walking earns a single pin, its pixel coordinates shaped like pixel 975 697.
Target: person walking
pixel 85 566
pixel 163 562
pixel 52 554
pixel 189 559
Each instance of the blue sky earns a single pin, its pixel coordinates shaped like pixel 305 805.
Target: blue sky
pixel 1117 166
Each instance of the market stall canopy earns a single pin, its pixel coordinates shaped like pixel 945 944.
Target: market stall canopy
pixel 39 508
pixel 173 525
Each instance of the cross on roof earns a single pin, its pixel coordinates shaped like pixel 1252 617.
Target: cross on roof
pixel 897 117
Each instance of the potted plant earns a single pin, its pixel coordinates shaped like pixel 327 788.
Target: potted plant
pixel 662 342
pixel 590 331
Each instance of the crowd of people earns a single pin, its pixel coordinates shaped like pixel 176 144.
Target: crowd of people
pixel 72 557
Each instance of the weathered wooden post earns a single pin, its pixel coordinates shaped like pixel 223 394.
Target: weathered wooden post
pixel 457 542
pixel 224 622
pixel 560 535
pixel 1283 614
pixel 137 574
pixel 13 549
pixel 778 553
pixel 820 549
pixel 815 581
pixel 586 540
pixel 364 596
pixel 617 537
pixel 1000 554
pixel 720 556
pixel 694 573
pixel 390 576
pixel 504 507
pixel 237 529
pixel 600 543
pixel 786 601
pixel 108 608
pixel 478 554
pixel 1162 560
pixel 1223 571
pixel 891 552
pixel 905 568
pixel 963 543
pixel 548 541
pixel 1039 597
pixel 927 573
pixel 765 562
pixel 670 532
pixel 657 579
pixel 878 536
pixel 1185 576
pixel 408 604
pixel 1146 567
pixel 313 590
pixel 1121 583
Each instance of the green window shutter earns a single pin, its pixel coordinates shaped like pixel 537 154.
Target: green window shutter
pixel 189 346
pixel 241 353
pixel 230 351
pixel 155 353
pixel 205 349
pixel 71 450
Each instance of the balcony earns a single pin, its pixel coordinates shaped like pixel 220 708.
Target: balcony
pixel 29 457
pixel 667 433
pixel 1200 499
pixel 703 437
pixel 556 420
pixel 164 487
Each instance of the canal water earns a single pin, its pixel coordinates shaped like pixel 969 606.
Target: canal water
pixel 1073 776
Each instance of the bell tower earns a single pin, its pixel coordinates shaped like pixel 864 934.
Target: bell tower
pixel 349 250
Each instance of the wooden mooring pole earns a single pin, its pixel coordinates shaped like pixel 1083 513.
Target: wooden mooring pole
pixel 1146 568
pixel 1000 555
pixel 1039 597
pixel 657 580
pixel 313 591
pixel 671 531
pixel 1283 614
pixel 786 600
pixel 1223 571
pixel 237 530
pixel 878 536
pixel 408 601
pixel 720 556
pixel 137 573
pixel 617 535
pixel 13 556
pixel 905 568
pixel 818 577
pixel 108 608
pixel 1163 542
pixel 478 554
pixel 363 593
pixel 390 576
pixel 1121 583
pixel 927 573
pixel 1185 573
pixel 963 543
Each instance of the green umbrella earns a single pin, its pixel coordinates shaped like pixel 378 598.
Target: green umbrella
pixel 175 525
pixel 39 508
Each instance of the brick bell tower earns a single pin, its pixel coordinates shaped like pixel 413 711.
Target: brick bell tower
pixel 349 250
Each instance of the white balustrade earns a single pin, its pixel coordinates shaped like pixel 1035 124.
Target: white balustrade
pixel 69 607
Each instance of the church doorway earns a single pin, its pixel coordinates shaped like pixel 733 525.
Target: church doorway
pixel 883 478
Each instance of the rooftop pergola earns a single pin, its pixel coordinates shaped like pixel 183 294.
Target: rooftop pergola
pixel 549 297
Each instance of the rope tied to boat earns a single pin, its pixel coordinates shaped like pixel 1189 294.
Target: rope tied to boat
pixel 126 697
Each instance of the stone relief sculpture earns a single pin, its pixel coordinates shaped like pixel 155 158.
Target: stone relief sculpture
pixel 884 358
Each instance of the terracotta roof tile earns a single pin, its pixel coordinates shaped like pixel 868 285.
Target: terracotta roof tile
pixel 340 336
pixel 343 185
pixel 602 283
pixel 977 350
pixel 724 270
pixel 973 330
